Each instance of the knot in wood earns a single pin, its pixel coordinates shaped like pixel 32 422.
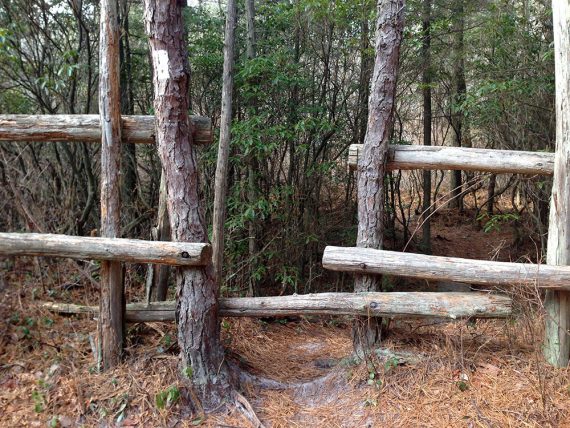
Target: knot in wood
pixel 362 265
pixel 185 255
pixel 373 305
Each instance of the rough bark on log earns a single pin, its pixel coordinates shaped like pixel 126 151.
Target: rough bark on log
pixel 372 165
pixel 392 305
pixel 87 128
pixel 463 158
pixel 201 350
pixel 557 303
pixel 112 301
pixel 370 261
pixel 113 249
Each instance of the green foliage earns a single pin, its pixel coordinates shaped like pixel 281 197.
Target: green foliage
pixel 462 385
pixel 167 398
pixel 495 221
pixel 374 380
pixel 297 106
pixel 391 363
pixel 39 401
pixel 188 372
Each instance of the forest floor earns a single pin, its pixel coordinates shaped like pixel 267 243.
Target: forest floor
pixel 488 373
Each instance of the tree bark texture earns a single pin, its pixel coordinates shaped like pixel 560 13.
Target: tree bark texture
pixel 112 300
pixel 202 355
pixel 371 166
pixel 462 158
pixel 87 128
pixel 221 180
pixel 557 303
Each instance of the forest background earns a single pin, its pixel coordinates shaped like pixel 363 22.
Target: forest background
pixel 298 105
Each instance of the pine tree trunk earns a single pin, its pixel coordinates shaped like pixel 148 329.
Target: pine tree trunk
pixel 371 166
pixel 202 355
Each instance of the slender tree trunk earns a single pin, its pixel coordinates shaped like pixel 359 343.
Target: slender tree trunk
pixel 253 165
pixel 371 166
pixel 557 304
pixel 221 180
pixel 112 301
pixel 127 107
pixel 157 276
pixel 202 355
pixel 491 194
pixel 458 98
pixel 365 74
pixel 426 93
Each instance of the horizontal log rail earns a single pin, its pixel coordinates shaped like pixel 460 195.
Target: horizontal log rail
pixel 393 305
pixel 370 261
pixel 118 249
pixel 87 128
pixel 462 158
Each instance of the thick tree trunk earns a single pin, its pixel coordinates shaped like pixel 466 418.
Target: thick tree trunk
pixel 426 93
pixel 202 355
pixel 371 167
pixel 112 300
pixel 221 180
pixel 557 304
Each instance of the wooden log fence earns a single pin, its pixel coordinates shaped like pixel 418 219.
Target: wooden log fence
pixel 114 249
pixel 393 305
pixel 482 272
pixel 87 128
pixel 462 158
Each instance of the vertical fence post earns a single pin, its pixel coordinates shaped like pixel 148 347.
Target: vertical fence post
pixel 112 303
pixel 557 303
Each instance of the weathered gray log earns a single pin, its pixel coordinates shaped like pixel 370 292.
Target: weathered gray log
pixel 393 305
pixel 370 261
pixel 87 128
pixel 116 249
pixel 462 158
pixel 557 303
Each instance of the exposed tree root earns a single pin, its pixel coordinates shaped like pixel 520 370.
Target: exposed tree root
pixel 244 406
